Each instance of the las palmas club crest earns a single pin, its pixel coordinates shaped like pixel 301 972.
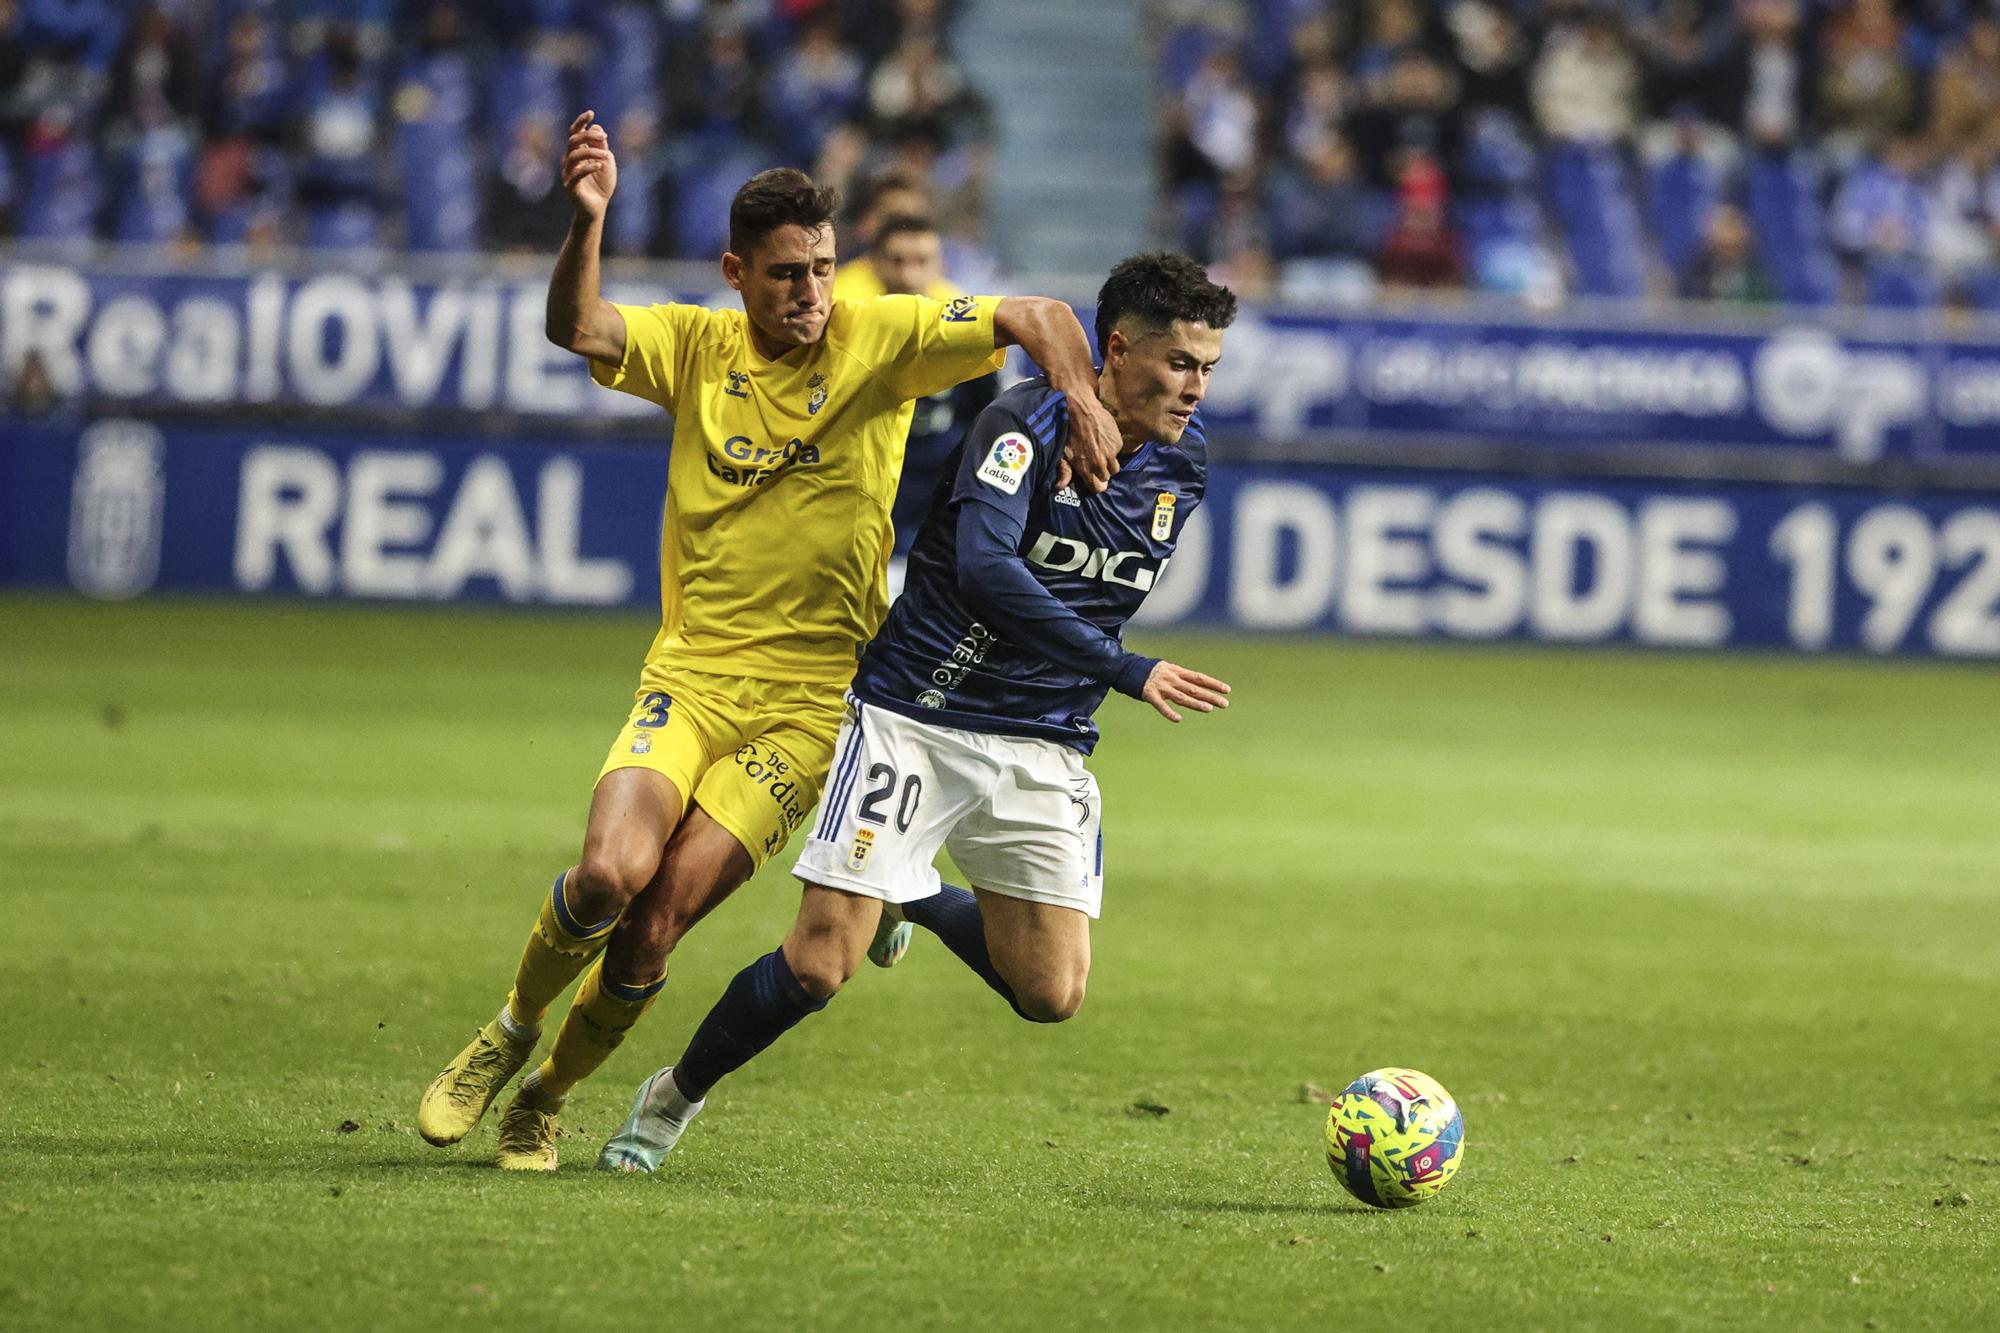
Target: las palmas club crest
pixel 817 400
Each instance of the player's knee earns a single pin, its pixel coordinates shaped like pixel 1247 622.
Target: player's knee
pixel 1050 999
pixel 606 879
pixel 820 972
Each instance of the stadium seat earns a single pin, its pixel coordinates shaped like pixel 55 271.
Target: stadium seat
pixel 85 30
pixel 701 213
pixel 524 85
pixel 1681 191
pixel 1593 206
pixel 1984 290
pixel 63 194
pixel 347 225
pixel 1791 239
pixel 441 190
pixel 152 186
pixel 625 70
pixel 1183 52
pixel 1901 282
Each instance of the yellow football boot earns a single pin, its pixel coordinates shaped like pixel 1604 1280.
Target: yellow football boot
pixel 456 1098
pixel 528 1131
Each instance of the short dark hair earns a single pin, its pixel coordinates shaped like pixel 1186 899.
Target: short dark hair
pixel 870 195
pixel 777 198
pixel 1157 288
pixel 904 224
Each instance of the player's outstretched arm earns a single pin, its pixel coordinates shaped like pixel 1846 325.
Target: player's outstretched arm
pixel 1048 331
pixel 579 319
pixel 1168 684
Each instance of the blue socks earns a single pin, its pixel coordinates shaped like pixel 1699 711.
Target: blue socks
pixel 765 1001
pixel 952 914
pixel 762 1004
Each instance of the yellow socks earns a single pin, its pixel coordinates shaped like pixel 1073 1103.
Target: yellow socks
pixel 600 1016
pixel 558 949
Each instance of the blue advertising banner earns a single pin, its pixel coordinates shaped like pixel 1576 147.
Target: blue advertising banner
pixel 119 508
pixel 122 507
pixel 475 344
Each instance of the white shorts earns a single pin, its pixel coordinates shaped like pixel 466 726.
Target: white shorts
pixel 1020 817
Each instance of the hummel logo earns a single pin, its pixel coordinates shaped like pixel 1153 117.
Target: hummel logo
pixel 739 384
pixel 1067 496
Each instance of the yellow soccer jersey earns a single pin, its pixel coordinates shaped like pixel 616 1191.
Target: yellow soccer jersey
pixel 857 280
pixel 775 544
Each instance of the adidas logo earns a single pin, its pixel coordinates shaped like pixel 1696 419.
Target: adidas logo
pixel 1067 496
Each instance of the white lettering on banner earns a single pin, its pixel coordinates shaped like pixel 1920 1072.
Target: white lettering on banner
pixel 1809 383
pixel 1892 558
pixel 485 534
pixel 202 356
pixel 1278 372
pixel 1967 622
pixel 287 499
pixel 1265 510
pixel 321 307
pixel 1896 560
pixel 541 377
pixel 1473 534
pixel 1678 582
pixel 262 382
pixel 1404 560
pixel 1565 525
pixel 385 508
pixel 123 349
pixel 292 499
pixel 1399 370
pixel 43 310
pixel 566 575
pixel 1805 539
pixel 1969 393
pixel 420 345
pixel 1386 546
pixel 1501 377
pixel 479 368
pixel 1183 580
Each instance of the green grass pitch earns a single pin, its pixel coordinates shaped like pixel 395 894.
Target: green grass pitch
pixel 1709 951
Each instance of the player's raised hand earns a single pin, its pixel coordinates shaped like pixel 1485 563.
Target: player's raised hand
pixel 1169 684
pixel 1092 452
pixel 589 171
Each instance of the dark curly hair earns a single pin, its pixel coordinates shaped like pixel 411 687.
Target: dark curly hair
pixel 777 198
pixel 1157 288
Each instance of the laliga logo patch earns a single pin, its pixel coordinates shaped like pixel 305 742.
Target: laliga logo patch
pixel 818 399
pixel 1163 516
pixel 864 843
pixel 1008 463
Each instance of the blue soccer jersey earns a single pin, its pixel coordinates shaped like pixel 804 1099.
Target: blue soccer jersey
pixel 1017 592
pixel 940 422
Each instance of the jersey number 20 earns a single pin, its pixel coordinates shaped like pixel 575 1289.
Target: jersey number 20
pixel 906 805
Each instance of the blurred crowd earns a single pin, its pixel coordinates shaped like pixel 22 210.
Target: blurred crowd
pixel 1807 151
pixel 437 125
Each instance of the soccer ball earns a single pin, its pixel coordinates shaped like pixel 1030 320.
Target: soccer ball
pixel 1394 1138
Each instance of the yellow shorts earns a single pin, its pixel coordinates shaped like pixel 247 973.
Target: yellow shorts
pixel 752 753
